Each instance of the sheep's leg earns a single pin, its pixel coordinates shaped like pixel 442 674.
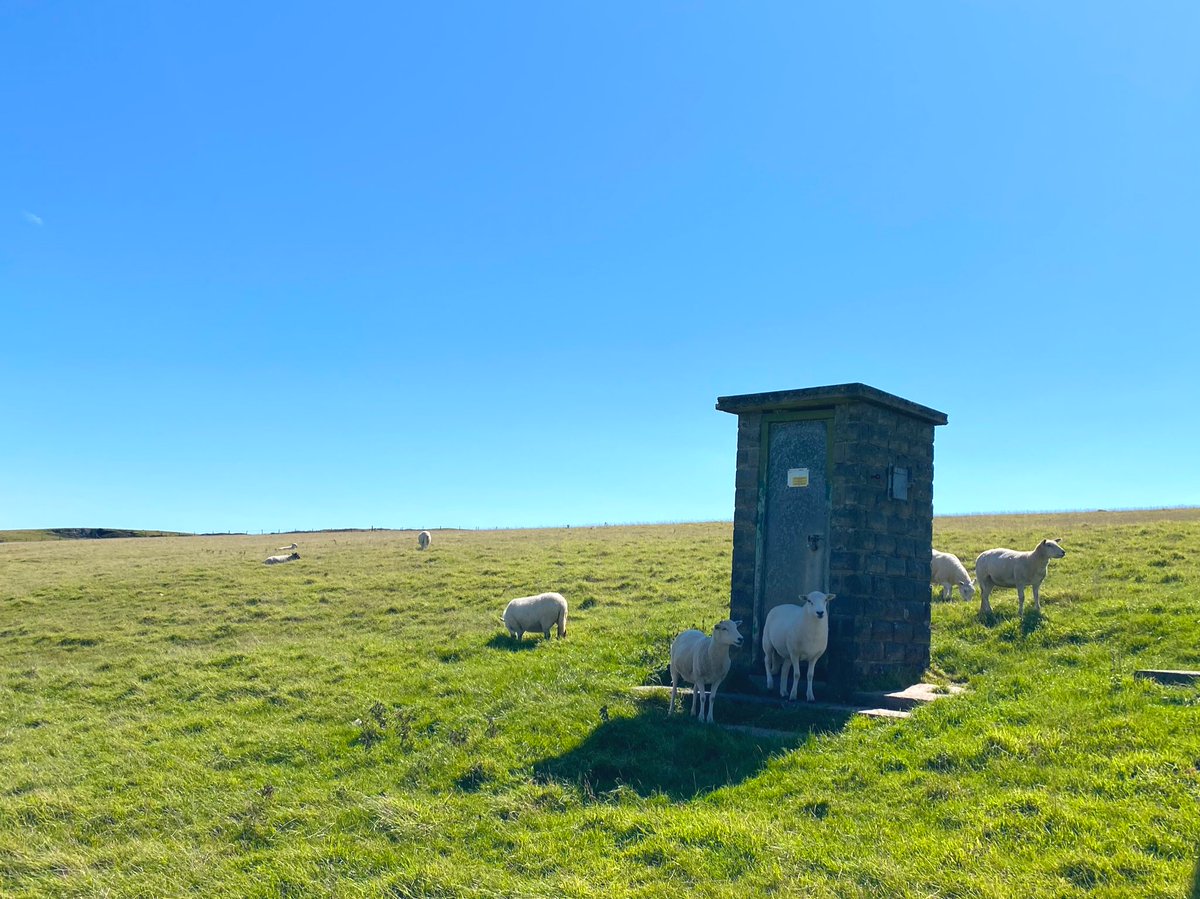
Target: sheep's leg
pixel 812 664
pixel 1020 601
pixel 697 697
pixel 674 689
pixel 712 694
pixel 946 592
pixel 767 663
pixel 795 678
pixel 1037 600
pixel 985 589
pixel 546 633
pixel 784 662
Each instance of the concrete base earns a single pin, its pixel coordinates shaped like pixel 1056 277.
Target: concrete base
pixel 1173 678
pixel 894 705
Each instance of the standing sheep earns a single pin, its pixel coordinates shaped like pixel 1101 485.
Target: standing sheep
pixel 536 613
pixel 796 633
pixel 699 660
pixel 423 540
pixel 947 572
pixel 1010 568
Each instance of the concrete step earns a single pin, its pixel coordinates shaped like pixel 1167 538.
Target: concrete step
pixel 910 697
pixel 774 701
pixel 895 704
pixel 1165 676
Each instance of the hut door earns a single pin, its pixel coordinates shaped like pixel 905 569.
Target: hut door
pixel 794 505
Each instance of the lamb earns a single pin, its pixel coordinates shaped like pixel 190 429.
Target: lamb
pixel 796 633
pixel 1010 568
pixel 290 548
pixel 536 613
pixel 275 560
pixel 699 660
pixel 423 540
pixel 949 571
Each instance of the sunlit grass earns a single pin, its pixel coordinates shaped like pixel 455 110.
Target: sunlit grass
pixel 180 719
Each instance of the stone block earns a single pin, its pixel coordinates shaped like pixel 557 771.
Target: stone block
pixel 882 631
pixel 842 560
pixel 871 651
pixel 883 588
pixel 916 654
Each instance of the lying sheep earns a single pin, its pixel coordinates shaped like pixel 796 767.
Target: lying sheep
pixel 1009 568
pixel 275 560
pixel 948 571
pixel 536 613
pixel 423 540
pixel 700 660
pixel 796 633
pixel 291 547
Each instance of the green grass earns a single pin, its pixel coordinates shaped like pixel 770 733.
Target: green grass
pixel 179 719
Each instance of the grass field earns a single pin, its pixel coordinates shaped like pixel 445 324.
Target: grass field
pixel 179 719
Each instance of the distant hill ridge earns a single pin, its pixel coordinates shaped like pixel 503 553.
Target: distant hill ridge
pixel 80 534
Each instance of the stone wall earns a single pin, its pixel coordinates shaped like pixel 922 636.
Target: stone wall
pixel 745 524
pixel 880 549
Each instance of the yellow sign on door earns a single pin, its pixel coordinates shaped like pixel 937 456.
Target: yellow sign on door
pixel 797 477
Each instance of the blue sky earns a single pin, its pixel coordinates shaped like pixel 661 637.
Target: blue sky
pixel 276 266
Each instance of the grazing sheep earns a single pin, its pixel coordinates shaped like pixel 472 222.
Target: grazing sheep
pixel 290 548
pixel 796 633
pixel 423 540
pixel 948 571
pixel 275 560
pixel 536 613
pixel 1010 568
pixel 700 660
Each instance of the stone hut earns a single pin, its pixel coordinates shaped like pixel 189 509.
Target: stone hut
pixel 834 492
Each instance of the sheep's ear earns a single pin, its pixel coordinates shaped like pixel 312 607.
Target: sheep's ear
pixel 738 623
pixel 831 597
pixel 804 600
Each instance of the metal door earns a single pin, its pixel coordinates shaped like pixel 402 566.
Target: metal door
pixel 794 505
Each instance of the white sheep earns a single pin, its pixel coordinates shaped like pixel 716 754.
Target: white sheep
pixel 949 572
pixel 1010 568
pixel 423 540
pixel 536 613
pixel 275 560
pixel 795 633
pixel 699 660
pixel 289 548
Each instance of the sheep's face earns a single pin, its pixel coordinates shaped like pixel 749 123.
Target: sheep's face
pixel 1053 550
pixel 968 589
pixel 727 632
pixel 817 602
